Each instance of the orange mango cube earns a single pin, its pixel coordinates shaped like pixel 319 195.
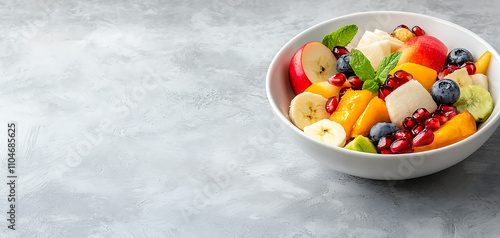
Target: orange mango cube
pixel 350 107
pixel 375 112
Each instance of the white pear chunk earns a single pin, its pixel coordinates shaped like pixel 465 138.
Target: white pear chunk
pixel 372 37
pixel 375 52
pixel 481 80
pixel 409 97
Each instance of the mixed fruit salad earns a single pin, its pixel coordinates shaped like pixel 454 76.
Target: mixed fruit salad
pixel 392 93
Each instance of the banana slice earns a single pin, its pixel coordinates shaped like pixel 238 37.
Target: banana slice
pixel 327 131
pixel 477 101
pixel 480 79
pixel 461 76
pixel 307 108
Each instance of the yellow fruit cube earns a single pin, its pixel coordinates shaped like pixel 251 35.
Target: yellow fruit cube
pixel 375 112
pixel 482 63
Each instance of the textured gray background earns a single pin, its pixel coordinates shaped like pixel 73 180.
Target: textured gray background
pixel 150 119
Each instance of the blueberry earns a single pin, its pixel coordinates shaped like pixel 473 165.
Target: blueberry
pixel 344 66
pixel 445 91
pixel 381 129
pixel 459 56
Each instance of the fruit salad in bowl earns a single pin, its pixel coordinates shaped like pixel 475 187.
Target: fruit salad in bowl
pixel 371 93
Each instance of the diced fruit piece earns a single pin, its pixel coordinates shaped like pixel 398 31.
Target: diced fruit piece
pixel 381 129
pixel 337 80
pixel 331 104
pixel 432 124
pixel 324 89
pixel 339 51
pixel 403 101
pixel 403 134
pixel 362 144
pixel 481 80
pixel 482 63
pixel 460 127
pixel 376 51
pixel 403 34
pixel 471 67
pixel 425 137
pixel 424 75
pixel 448 69
pixel 421 114
pixel 418 31
pixel 445 91
pixel 459 56
pixel 350 107
pixel 409 123
pixel 477 101
pixel 372 37
pixel 307 108
pixel 461 76
pixel 355 82
pixel 424 50
pixel 312 63
pixel 344 65
pixel 327 131
pixel 384 143
pixel 375 112
pixel 401 146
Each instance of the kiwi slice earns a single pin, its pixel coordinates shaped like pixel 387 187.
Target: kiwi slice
pixel 477 100
pixel 361 143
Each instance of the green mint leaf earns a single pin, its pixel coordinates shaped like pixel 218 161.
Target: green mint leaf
pixel 387 64
pixel 371 85
pixel 341 37
pixel 361 65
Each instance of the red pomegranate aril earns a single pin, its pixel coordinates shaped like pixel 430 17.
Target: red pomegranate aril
pixel 432 124
pixel 471 67
pixel 388 151
pixel 339 51
pixel 342 92
pixel 337 79
pixel 403 76
pixel 418 31
pixel 409 123
pixel 355 82
pixel 390 81
pixel 384 91
pixel 445 71
pixel 385 142
pixel 446 108
pixel 440 116
pixel 454 66
pixel 450 114
pixel 421 114
pixel 401 26
pixel 403 134
pixel 419 128
pixel 331 104
pixel 401 146
pixel 425 137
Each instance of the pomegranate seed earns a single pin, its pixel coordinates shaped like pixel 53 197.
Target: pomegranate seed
pixel 384 91
pixel 409 123
pixel 355 82
pixel 401 146
pixel 454 66
pixel 331 104
pixel 385 142
pixel 390 81
pixel 432 124
pixel 337 79
pixel 418 31
pixel 399 78
pixel 425 137
pixel 401 26
pixel 386 152
pixel 421 114
pixel 446 108
pixel 343 91
pixel 402 134
pixel 403 76
pixel 471 67
pixel 450 114
pixel 445 71
pixel 440 116
pixel 417 129
pixel 339 51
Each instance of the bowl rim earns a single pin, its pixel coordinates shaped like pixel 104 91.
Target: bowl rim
pixel 485 127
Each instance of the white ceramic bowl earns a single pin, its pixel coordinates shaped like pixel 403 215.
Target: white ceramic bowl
pixel 376 166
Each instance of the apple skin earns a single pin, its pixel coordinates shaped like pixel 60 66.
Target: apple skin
pixel 424 50
pixel 298 77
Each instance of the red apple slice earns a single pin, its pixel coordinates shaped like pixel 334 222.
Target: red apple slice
pixel 313 63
